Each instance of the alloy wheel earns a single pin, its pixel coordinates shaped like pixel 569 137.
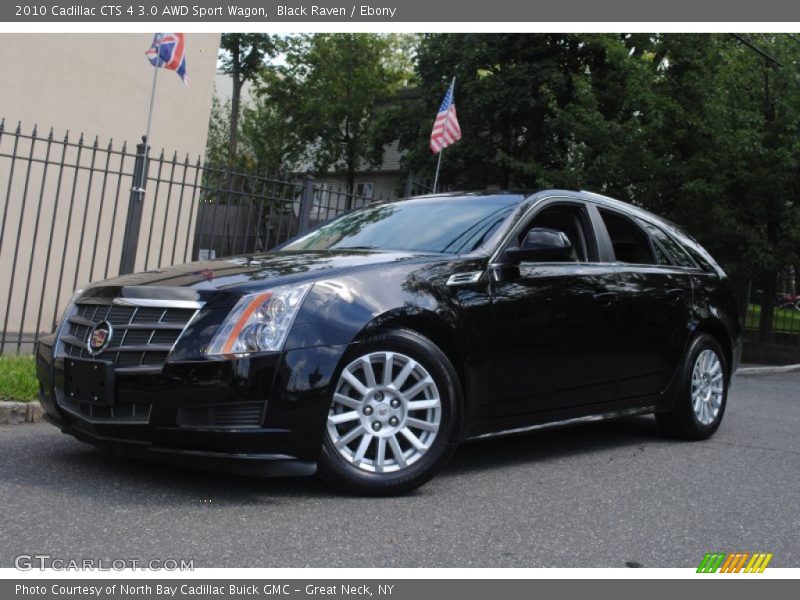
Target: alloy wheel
pixel 385 413
pixel 707 386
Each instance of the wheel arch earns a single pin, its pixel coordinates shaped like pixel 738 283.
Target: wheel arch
pixel 425 322
pixel 716 329
pixel 711 326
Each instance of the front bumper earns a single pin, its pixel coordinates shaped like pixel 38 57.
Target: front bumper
pixel 270 411
pixel 243 463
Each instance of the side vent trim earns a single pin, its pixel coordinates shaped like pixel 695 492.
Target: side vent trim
pixel 465 278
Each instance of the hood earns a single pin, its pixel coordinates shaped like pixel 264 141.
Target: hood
pixel 245 273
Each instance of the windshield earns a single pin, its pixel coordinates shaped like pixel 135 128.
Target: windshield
pixel 451 225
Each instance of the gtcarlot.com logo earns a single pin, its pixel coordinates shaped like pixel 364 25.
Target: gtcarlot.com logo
pixel 43 562
pixel 737 562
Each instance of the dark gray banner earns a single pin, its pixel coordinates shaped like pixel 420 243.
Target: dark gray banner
pixel 302 11
pixel 396 589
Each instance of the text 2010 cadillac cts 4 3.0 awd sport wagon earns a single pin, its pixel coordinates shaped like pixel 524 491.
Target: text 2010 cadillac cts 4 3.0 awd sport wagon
pixel 369 348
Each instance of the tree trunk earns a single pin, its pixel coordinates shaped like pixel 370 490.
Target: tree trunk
pixel 235 100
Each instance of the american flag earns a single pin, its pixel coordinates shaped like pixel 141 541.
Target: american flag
pixel 446 129
pixel 168 51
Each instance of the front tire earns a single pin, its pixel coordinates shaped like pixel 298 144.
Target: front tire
pixel 395 417
pixel 701 392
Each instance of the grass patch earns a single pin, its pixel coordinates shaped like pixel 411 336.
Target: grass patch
pixel 786 320
pixel 18 378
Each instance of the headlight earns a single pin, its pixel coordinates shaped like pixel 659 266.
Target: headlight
pixel 259 322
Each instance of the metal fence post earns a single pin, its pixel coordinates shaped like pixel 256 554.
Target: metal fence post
pixel 130 240
pixel 306 203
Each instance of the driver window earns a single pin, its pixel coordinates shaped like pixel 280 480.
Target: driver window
pixel 572 221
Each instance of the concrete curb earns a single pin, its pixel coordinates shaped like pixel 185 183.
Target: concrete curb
pixel 16 413
pixel 758 371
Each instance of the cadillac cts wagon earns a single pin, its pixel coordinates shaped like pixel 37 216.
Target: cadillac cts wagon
pixel 368 349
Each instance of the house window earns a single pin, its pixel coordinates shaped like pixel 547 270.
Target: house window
pixel 365 190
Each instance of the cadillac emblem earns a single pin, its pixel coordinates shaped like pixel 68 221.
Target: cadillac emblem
pixel 99 338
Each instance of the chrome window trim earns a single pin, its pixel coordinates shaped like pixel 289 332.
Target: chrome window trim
pixel 668 268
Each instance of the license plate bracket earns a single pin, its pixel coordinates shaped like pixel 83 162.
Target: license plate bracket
pixel 89 381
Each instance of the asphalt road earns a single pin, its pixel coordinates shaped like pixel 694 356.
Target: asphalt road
pixel 600 495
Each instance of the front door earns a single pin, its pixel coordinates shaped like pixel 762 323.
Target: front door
pixel 555 323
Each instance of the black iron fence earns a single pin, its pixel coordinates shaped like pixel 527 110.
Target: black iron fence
pixel 417 186
pixel 772 319
pixel 240 213
pixel 74 210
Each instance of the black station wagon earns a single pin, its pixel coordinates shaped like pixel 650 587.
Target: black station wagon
pixel 368 349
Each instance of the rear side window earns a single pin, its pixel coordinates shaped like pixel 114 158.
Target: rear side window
pixel 631 244
pixel 700 256
pixel 664 243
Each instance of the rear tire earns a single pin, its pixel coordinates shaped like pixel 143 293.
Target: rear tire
pixel 395 418
pixel 701 392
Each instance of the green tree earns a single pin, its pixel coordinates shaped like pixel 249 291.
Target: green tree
pixel 242 56
pixel 535 110
pixel 725 151
pixel 219 131
pixel 328 92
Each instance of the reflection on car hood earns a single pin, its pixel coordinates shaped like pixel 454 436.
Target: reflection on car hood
pixel 255 270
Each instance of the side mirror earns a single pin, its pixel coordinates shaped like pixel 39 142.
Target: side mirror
pixel 542 245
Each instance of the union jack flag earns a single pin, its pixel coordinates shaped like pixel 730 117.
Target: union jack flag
pixel 168 51
pixel 446 129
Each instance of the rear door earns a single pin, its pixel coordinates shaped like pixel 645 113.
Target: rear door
pixel 655 305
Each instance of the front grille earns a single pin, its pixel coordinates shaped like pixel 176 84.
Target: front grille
pixel 143 335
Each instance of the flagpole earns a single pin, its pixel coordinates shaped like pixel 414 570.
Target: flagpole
pixel 439 162
pixel 150 112
pixel 438 165
pixel 130 239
